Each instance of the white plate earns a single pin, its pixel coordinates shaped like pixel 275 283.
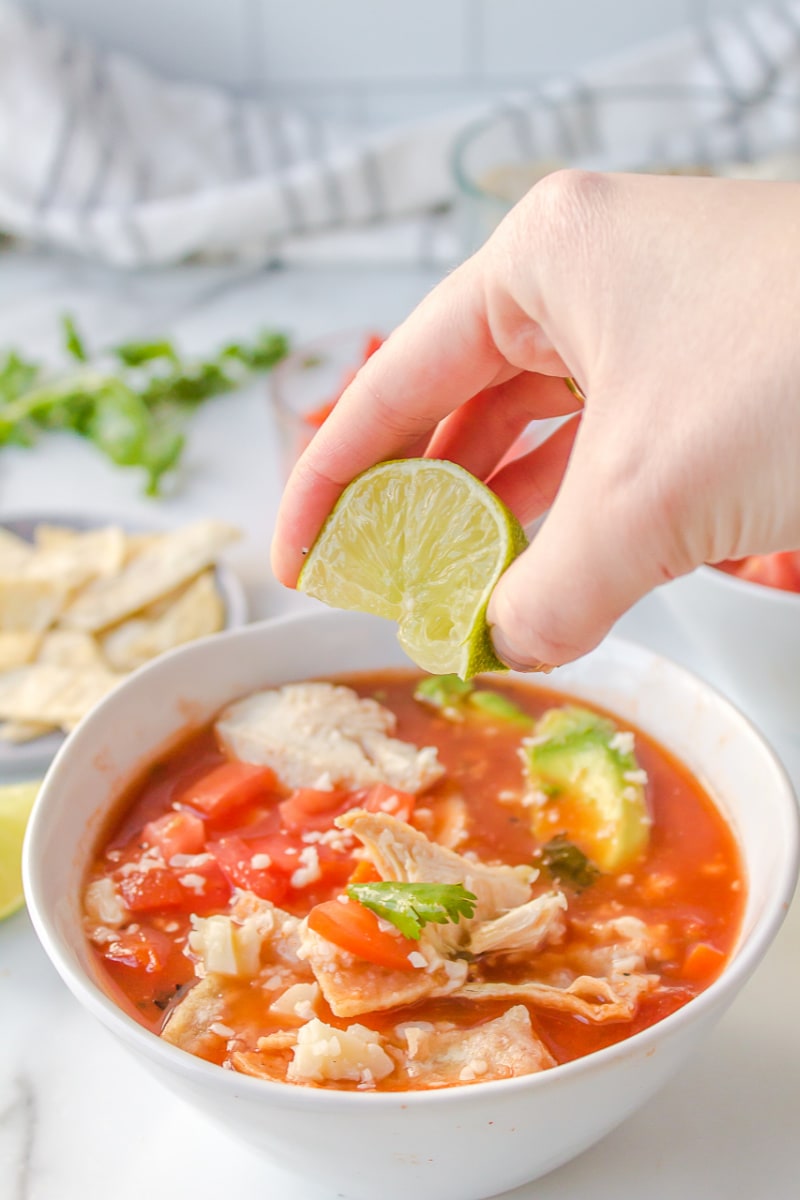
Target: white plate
pixel 27 759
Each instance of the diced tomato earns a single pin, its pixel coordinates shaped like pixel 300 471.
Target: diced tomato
pixel 383 798
pixel 309 808
pixel 227 787
pixel 284 849
pixel 205 885
pixel 364 872
pixel 235 858
pixel 702 963
pixel 356 929
pixel 176 833
pixel 147 891
pixel 318 416
pixel 781 570
pixel 144 950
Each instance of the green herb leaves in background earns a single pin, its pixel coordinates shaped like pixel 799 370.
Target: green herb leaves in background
pixel 410 906
pixel 133 403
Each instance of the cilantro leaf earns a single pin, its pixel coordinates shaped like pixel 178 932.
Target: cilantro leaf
pixel 569 865
pixel 134 409
pixel 73 342
pixel 411 906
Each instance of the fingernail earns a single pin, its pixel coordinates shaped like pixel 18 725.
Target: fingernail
pixel 512 658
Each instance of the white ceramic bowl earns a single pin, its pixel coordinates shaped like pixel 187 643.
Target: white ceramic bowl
pixel 751 635
pixel 461 1143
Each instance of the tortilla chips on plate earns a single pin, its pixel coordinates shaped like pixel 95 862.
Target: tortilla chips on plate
pixel 80 608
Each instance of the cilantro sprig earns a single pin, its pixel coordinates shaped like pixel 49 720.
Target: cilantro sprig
pixel 411 906
pixel 133 402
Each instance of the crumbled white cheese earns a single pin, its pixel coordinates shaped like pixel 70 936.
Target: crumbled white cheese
pixel 298 996
pixel 223 1031
pixel 260 862
pixel 181 861
pixel 194 883
pixel 325 1053
pixel 638 776
pixel 417 960
pixel 104 904
pixel 226 947
pixel 623 741
pixel 310 871
pixel 474 1068
pixel 151 861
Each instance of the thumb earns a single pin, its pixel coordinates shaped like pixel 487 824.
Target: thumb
pixel 601 548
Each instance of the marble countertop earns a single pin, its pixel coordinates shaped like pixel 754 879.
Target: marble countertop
pixel 79 1118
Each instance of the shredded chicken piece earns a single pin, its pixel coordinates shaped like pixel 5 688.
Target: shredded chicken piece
pixel 499 1049
pixel 401 852
pixel 526 927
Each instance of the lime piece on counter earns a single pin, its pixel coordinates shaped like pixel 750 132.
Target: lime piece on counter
pixel 423 543
pixel 16 802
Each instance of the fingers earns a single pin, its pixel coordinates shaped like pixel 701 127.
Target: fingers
pixel 441 356
pixel 529 484
pixel 598 552
pixel 482 430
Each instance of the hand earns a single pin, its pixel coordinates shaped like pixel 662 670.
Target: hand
pixel 674 303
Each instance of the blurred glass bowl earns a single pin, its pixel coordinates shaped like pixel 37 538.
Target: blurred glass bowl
pixel 306 384
pixel 665 129
pixel 751 635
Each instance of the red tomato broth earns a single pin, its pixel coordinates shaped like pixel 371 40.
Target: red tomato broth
pixel 690 879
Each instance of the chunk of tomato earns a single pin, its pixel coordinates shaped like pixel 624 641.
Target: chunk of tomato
pixel 229 786
pixel 142 949
pixel 310 808
pixel 149 891
pixel 780 570
pixel 245 865
pixel 390 800
pixel 357 930
pixel 205 886
pixel 175 833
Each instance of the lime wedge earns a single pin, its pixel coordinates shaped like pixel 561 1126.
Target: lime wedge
pixel 16 802
pixel 423 543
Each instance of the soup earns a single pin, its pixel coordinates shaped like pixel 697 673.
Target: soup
pixel 390 882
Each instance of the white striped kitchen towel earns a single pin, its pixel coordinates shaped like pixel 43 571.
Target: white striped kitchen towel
pixel 102 157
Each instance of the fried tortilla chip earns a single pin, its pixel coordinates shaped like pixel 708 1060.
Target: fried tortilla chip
pixel 197 611
pixel 17 732
pixel 158 569
pixel 76 557
pixel 28 604
pixel 14 552
pixel 17 647
pixel 70 648
pixel 52 695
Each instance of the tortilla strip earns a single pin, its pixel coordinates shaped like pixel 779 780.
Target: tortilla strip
pixel 159 569
pixel 596 1000
pixel 14 552
pixel 17 647
pixel 76 558
pixel 52 695
pixel 70 648
pixel 28 604
pixel 17 732
pixel 196 612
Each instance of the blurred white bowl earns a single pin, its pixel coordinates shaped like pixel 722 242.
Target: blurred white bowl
pixel 460 1143
pixel 750 633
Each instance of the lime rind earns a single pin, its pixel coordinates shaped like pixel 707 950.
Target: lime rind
pixel 423 543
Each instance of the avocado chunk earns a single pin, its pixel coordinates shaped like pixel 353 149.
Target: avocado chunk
pixel 456 700
pixel 586 784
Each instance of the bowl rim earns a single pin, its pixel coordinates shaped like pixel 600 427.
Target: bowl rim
pixel 174 1060
pixel 745 587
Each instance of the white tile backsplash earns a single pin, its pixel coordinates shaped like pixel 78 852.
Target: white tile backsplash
pixel 373 61
pixel 363 41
